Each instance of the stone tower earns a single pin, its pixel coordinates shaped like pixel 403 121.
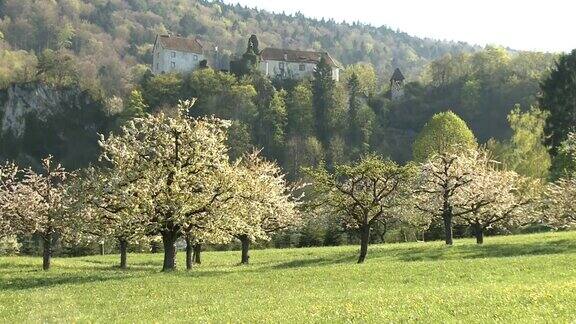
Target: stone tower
pixel 397 85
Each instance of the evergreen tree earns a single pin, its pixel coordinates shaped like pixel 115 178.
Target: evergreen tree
pixel 300 111
pixel 355 137
pixel 559 98
pixel 272 125
pixel 248 63
pixel 323 99
pixel 187 24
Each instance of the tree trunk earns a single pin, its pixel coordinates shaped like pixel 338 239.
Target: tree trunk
pixel 245 240
pixel 47 255
pixel 101 247
pixel 448 228
pixel 123 253
pixel 364 239
pixel 383 237
pixel 197 251
pixel 169 241
pixel 189 252
pixel 478 233
pixel 154 247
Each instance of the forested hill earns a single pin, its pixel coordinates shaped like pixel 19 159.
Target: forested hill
pixel 98 51
pixel 107 40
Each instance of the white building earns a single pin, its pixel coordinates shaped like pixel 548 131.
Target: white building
pixel 173 54
pixel 294 64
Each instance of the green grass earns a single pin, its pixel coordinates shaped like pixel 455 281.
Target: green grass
pixel 529 278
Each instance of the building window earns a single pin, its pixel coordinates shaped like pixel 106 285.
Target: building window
pixel 173 54
pixel 173 65
pixel 302 67
pixel 195 57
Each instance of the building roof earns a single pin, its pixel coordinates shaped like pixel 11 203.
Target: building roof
pixel 296 56
pixel 397 76
pixel 181 44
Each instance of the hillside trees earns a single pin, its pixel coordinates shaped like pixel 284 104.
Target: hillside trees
pixel 525 152
pixel 270 128
pixel 222 95
pixel 16 66
pixel 135 107
pixel 366 75
pixel 355 136
pixel 97 33
pixel 163 90
pixel 57 68
pixel 323 88
pixel 302 146
pixel 300 116
pixel 248 63
pixel 362 194
pixel 559 99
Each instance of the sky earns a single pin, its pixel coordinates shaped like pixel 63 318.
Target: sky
pixel 535 25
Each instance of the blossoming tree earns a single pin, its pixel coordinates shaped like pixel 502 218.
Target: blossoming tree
pixel 108 207
pixel 495 197
pixel 441 179
pixel 8 184
pixel 363 193
pixel 179 163
pixel 263 203
pixel 36 203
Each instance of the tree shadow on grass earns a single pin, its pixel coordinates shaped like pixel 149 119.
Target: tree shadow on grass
pixel 23 283
pixel 10 266
pixel 440 252
pixel 339 259
pixel 473 251
pixel 197 273
pixel 141 265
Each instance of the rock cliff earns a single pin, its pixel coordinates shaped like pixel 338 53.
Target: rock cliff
pixel 37 120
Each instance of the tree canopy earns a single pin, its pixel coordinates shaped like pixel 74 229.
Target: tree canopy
pixel 445 132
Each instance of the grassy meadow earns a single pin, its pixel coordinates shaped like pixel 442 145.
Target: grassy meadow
pixel 528 278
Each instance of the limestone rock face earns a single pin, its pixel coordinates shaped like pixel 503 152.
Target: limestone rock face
pixel 38 100
pixel 37 119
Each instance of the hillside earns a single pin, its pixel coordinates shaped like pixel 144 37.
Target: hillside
pixel 527 278
pixel 103 50
pixel 107 39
